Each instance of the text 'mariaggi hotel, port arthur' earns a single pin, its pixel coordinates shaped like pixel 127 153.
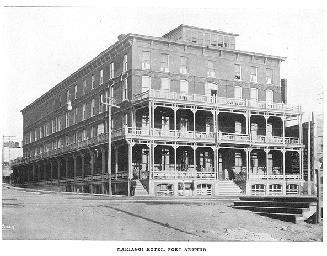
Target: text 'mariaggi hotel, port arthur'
pixel 190 115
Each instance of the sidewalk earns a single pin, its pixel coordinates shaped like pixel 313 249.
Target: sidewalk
pixel 88 196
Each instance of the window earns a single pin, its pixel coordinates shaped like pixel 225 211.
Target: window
pixel 253 74
pixel 238 92
pixel 84 136
pixel 125 89
pixel 92 132
pixel 100 128
pixel 184 64
pixel 105 99
pixel 220 41
pixel 269 96
pixel 59 124
pixel 84 111
pixel 238 159
pixel 67 96
pixel 254 94
pixel 146 83
pixel 269 76
pixel 226 41
pixel 125 63
pixel 211 69
pixel 75 92
pixel 84 87
pixel 67 120
pixel 211 89
pixel 54 125
pixel 237 72
pixel 184 87
pixel 92 81
pixel 101 76
pixel 92 107
pixel 75 115
pixel 165 84
pixel 112 70
pixel 100 103
pixel 164 63
pixel 125 120
pixel 145 60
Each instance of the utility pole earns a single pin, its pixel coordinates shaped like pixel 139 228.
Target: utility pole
pixel 109 101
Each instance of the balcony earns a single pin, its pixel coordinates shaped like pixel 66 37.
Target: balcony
pixel 275 176
pixel 275 140
pixel 214 101
pixel 178 135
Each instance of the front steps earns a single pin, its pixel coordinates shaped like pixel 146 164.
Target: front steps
pixel 287 208
pixel 140 190
pixel 228 188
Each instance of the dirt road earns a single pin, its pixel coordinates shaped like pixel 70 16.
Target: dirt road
pixel 35 215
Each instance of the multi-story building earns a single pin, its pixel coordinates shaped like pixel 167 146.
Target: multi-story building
pixel 195 117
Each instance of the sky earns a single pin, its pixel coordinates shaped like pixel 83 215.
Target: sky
pixel 42 46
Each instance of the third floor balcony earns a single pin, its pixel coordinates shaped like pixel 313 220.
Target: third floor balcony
pixel 176 97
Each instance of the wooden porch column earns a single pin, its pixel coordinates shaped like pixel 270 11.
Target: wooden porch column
pixel 247 151
pixel 150 160
pixel 33 172
pixel 194 157
pixel 215 162
pixel 83 171
pixel 103 168
pixel 45 171
pixel 51 170
pixel 194 114
pixel 116 161
pixel 130 167
pixel 28 173
pixel 66 168
pixel 39 172
pixel 175 158
pixel 301 163
pixel 266 119
pixel 175 120
pixel 58 171
pixel 283 128
pixel 300 129
pixel 92 170
pixel 267 152
pixel 284 154
pixel 217 126
pixel 150 117
pixel 75 171
pixel 247 119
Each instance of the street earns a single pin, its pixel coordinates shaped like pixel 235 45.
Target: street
pixel 38 215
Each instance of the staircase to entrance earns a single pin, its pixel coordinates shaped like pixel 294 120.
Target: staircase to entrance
pixel 228 188
pixel 140 188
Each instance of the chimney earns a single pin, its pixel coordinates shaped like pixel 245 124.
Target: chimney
pixel 283 84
